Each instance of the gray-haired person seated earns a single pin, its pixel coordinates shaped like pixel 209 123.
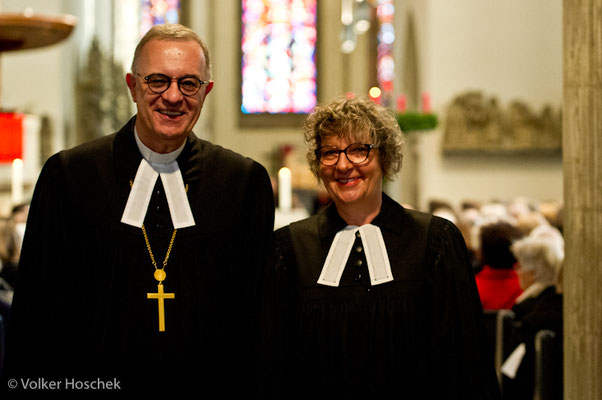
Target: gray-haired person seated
pixel 540 257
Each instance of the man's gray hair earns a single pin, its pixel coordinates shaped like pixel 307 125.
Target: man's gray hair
pixel 175 32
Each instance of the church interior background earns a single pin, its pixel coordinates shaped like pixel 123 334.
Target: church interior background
pixel 489 74
pixel 477 87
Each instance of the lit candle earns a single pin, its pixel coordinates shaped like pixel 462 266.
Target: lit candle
pixel 17 181
pixel 285 189
pixel 375 94
pixel 426 103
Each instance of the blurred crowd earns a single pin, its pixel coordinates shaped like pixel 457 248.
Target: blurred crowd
pixel 517 251
pixel 12 229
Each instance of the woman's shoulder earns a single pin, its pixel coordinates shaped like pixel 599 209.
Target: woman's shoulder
pixel 282 235
pixel 436 228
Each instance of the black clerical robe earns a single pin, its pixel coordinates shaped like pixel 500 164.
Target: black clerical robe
pixel 420 336
pixel 81 307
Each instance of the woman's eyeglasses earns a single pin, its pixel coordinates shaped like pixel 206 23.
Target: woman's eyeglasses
pixel 356 153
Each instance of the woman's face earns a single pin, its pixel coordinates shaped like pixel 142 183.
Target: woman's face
pixel 352 184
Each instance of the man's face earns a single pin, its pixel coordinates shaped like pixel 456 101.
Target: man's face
pixel 164 120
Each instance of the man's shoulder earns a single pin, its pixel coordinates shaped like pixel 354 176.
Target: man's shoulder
pixel 95 147
pixel 219 153
pixel 225 164
pixel 102 147
pixel 80 157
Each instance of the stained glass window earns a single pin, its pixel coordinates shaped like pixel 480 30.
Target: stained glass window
pixel 278 56
pixel 154 12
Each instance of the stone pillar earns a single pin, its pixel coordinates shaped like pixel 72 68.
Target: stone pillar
pixel 582 163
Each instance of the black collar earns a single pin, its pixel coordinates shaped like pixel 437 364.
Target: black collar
pixel 127 157
pixel 390 218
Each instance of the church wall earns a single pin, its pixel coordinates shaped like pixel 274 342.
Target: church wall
pixel 508 50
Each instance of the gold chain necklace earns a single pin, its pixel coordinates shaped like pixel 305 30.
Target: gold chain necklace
pixel 160 274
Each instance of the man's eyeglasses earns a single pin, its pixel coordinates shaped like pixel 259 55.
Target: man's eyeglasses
pixel 356 153
pixel 159 83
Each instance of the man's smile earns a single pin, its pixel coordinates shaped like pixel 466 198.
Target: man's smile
pixel 171 113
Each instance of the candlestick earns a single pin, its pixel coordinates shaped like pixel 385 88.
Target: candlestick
pixel 285 189
pixel 17 181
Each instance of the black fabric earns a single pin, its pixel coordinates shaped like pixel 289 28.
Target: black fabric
pixel 420 336
pixel 81 308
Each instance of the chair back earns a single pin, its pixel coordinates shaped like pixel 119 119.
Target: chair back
pixel 548 366
pixel 505 341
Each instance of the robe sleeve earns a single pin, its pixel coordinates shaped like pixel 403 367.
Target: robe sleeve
pixel 461 356
pixel 258 247
pixel 37 330
pixel 277 316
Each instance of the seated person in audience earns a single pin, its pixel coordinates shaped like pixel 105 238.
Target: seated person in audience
pixel 553 211
pixel 468 218
pixel 11 238
pixel 539 259
pixel 497 282
pixel 529 221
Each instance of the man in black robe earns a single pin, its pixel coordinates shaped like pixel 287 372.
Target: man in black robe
pixel 115 222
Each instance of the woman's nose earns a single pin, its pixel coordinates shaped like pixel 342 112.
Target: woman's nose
pixel 343 164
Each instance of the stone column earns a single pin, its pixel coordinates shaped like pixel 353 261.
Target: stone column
pixel 582 163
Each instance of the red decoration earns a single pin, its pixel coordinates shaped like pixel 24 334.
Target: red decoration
pixel 426 103
pixel 11 137
pixel 401 103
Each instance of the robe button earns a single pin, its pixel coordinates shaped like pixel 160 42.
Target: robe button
pixel 357 234
pixel 357 277
pixel 359 249
pixel 359 263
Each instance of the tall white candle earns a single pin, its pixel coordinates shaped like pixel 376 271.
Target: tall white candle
pixel 285 189
pixel 17 181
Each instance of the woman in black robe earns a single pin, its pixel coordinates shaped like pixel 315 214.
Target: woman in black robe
pixel 370 299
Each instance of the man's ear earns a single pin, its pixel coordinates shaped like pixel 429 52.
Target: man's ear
pixel 209 87
pixel 131 82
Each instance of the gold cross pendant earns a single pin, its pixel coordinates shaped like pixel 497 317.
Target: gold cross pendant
pixel 160 296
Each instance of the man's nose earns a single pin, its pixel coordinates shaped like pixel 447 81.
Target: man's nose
pixel 173 94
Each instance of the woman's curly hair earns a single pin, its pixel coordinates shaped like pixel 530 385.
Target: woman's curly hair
pixel 357 119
